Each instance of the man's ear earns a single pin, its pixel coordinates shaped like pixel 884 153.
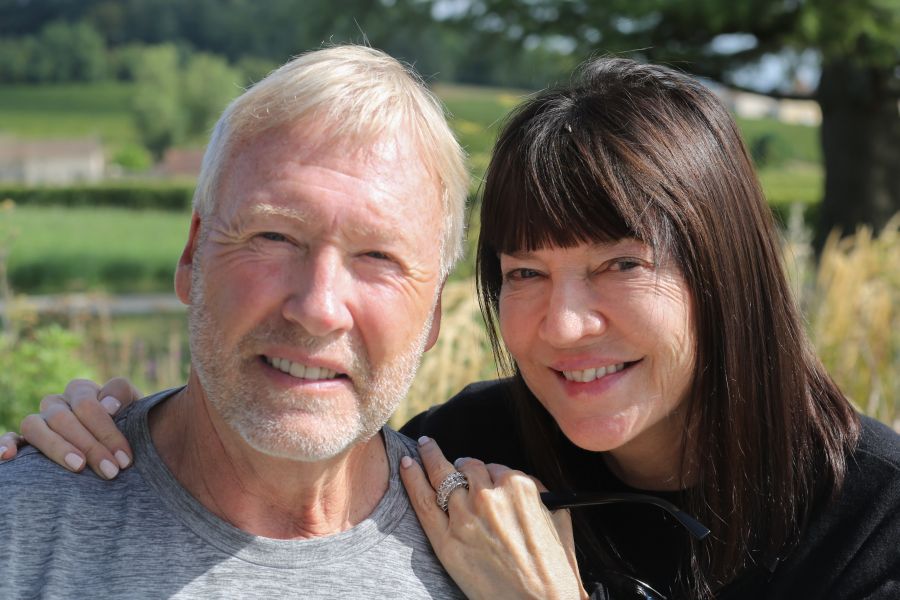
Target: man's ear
pixel 435 320
pixel 185 266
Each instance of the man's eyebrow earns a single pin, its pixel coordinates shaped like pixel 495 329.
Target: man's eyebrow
pixel 379 233
pixel 267 209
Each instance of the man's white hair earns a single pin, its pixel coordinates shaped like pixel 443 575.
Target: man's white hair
pixel 357 93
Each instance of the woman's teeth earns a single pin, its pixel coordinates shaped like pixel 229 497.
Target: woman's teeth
pixel 300 370
pixel 587 375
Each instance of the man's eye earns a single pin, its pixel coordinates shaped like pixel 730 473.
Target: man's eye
pixel 273 236
pixel 377 255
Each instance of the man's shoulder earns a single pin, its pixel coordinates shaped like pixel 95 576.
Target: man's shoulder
pixel 30 468
pixel 33 478
pixel 38 490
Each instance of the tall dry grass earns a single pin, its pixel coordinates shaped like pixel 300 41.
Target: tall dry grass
pixel 853 309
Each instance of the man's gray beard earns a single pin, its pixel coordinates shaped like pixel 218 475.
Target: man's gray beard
pixel 243 403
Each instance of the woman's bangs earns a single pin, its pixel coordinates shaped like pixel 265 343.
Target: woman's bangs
pixel 543 203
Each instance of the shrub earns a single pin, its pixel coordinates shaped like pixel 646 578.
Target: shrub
pixel 769 150
pixel 133 157
pixel 34 365
pixel 135 196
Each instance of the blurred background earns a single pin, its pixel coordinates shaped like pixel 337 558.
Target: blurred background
pixel 105 107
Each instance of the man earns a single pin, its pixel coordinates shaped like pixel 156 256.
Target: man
pixel 312 275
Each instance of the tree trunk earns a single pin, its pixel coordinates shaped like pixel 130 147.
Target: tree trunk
pixel 861 148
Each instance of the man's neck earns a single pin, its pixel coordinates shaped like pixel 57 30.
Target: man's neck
pixel 260 494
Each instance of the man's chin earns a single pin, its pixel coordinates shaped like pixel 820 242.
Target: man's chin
pixel 304 444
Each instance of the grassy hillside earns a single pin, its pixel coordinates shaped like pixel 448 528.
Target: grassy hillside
pixel 57 249
pixel 63 111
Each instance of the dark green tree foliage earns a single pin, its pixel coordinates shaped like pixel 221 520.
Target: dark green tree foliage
pixel 157 111
pixel 173 102
pixel 61 52
pixel 857 44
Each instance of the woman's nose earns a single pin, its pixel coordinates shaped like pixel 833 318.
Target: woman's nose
pixel 572 313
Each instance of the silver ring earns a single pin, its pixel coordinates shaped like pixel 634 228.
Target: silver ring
pixel 448 485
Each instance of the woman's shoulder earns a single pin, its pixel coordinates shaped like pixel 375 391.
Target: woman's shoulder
pixel 878 448
pixel 850 545
pixel 477 422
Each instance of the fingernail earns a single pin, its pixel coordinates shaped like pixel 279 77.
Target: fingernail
pixel 74 461
pixel 122 459
pixel 111 405
pixel 424 440
pixel 3 450
pixel 108 469
pixel 460 461
pixel 406 462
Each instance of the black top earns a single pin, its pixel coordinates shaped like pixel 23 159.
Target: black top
pixel 849 549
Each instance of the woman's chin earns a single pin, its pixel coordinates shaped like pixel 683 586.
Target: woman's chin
pixel 599 434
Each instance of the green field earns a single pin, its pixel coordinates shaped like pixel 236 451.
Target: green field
pixel 65 111
pixel 57 249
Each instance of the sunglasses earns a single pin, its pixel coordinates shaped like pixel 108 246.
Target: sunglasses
pixel 616 584
pixel 557 500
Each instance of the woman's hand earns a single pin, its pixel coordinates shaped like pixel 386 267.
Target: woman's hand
pixel 497 540
pixel 76 428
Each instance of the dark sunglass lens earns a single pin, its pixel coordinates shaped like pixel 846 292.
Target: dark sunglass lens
pixel 625 587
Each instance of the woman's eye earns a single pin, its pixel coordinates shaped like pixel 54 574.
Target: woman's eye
pixel 627 264
pixel 521 274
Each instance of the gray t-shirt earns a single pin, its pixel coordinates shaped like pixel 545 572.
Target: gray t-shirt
pixel 143 536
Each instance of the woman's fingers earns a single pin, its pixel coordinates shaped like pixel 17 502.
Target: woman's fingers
pixel 37 433
pixel 58 433
pixel 93 407
pixel 117 393
pixel 437 468
pixel 77 427
pixel 422 498
pixel 9 444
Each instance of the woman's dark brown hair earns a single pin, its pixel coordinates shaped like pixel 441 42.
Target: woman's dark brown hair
pixel 634 150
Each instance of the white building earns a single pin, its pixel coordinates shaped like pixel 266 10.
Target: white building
pixel 51 162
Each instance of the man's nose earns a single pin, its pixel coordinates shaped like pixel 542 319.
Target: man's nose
pixel 573 312
pixel 321 292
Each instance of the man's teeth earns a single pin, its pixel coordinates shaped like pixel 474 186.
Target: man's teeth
pixel 300 370
pixel 591 374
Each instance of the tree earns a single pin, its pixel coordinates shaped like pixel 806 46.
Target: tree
pixel 207 85
pixel 173 103
pixel 156 107
pixel 856 46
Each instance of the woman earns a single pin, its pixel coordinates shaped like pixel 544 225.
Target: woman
pixel 631 267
